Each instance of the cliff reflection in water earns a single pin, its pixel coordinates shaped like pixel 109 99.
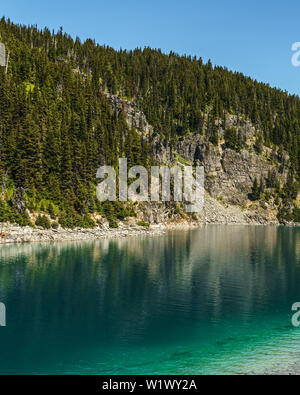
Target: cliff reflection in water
pixel 71 299
pixel 193 268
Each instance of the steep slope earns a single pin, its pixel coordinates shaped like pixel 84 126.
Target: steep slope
pixel 68 107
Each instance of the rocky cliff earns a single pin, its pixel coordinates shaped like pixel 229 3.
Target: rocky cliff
pixel 229 174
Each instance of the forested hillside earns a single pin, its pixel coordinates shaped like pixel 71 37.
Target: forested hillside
pixel 57 127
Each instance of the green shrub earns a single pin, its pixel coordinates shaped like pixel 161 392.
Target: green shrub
pixel 51 211
pixel 43 222
pixel 296 214
pixel 143 224
pixel 70 219
pixel 54 225
pixel 214 138
pixel 121 211
pixel 232 139
pixel 109 212
pixel 284 215
pixel 8 215
pixel 88 222
pixel 65 221
pixel 113 223
pixel 22 219
pixel 255 194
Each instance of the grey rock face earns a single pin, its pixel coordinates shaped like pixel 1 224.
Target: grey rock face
pixel 135 118
pixel 229 175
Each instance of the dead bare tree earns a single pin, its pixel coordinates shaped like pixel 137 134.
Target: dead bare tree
pixel 7 60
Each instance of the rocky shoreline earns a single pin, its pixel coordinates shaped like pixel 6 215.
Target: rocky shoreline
pixel 16 234
pixel 214 212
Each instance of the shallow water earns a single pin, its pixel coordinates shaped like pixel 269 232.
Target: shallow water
pixel 211 301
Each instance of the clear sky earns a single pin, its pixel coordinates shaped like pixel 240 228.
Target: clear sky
pixel 251 36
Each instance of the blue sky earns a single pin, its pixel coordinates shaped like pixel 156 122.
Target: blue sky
pixel 253 37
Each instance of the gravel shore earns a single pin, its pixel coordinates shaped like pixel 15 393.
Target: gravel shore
pixel 213 212
pixel 17 234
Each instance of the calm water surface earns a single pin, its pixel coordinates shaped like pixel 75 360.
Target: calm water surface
pixel 213 300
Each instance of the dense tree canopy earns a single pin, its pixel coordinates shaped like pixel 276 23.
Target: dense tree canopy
pixel 56 126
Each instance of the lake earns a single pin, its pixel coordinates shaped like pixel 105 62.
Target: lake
pixel 216 300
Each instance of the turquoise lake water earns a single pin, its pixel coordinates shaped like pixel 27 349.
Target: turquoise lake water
pixel 211 301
